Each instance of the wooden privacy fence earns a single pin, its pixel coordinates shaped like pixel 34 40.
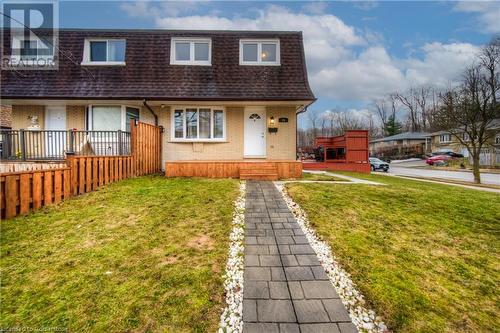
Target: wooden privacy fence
pixel 146 148
pixel 21 192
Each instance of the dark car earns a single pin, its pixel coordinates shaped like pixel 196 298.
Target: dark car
pixel 450 153
pixel 377 164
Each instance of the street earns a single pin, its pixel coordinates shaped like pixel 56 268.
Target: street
pixel 408 169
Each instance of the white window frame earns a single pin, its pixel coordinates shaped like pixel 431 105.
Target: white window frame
pixel 191 60
pixel 86 52
pixel 444 141
pixel 259 61
pixel 184 129
pixel 497 139
pixel 123 119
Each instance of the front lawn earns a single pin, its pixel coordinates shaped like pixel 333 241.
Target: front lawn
pixel 143 254
pixel 320 177
pixel 426 256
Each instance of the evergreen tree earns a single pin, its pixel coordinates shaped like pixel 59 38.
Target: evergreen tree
pixel 392 127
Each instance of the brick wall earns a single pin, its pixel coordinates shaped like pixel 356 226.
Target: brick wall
pixel 6 116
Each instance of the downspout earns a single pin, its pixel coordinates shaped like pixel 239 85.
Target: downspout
pixel 304 109
pixel 152 112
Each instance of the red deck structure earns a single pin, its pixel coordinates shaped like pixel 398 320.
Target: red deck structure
pixel 348 152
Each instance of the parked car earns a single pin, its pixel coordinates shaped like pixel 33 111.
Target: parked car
pixel 448 153
pixel 377 164
pixel 438 159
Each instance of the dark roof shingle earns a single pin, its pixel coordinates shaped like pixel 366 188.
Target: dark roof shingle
pixel 149 75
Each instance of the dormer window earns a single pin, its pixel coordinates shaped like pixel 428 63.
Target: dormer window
pixel 104 52
pixel 191 51
pixel 265 52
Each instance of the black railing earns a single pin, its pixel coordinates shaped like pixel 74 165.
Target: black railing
pixel 25 145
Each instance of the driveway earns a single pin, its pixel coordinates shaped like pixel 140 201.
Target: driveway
pixel 408 169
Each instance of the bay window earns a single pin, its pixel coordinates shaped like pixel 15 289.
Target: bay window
pixel 198 124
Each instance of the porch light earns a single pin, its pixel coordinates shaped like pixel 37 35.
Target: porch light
pixel 271 121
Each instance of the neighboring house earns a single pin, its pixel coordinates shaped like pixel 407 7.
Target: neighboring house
pixel 490 154
pixel 400 144
pixel 216 93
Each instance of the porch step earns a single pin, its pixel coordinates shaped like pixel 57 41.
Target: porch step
pixel 259 172
pixel 259 176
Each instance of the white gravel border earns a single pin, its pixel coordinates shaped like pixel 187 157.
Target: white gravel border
pixel 231 319
pixel 365 319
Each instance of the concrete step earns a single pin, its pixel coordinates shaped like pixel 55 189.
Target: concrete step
pixel 259 176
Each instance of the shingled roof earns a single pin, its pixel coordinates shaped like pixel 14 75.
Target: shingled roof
pixel 149 75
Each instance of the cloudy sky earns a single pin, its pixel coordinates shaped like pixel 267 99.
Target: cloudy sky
pixel 355 51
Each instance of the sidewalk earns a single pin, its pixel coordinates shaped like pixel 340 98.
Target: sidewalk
pixel 285 289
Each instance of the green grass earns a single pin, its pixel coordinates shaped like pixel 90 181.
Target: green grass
pixel 426 256
pixel 319 177
pixel 143 254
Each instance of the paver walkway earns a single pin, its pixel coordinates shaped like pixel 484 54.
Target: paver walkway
pixel 285 287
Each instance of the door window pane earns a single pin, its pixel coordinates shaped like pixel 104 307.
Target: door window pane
pixel 269 52
pixel 201 51
pixel 182 51
pixel 218 124
pixel 98 51
pixel 204 123
pixel 178 124
pixel 106 118
pixel 116 50
pixel 191 123
pixel 131 113
pixel 249 52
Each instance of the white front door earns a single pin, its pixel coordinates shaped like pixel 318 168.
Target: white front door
pixel 55 120
pixel 255 132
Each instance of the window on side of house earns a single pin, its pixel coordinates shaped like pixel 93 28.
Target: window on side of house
pixel 260 52
pixel 191 51
pixel 104 52
pixel 198 124
pixel 111 117
pixel 445 137
pixel 497 139
pixel 131 113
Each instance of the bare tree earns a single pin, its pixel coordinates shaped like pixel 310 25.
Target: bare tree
pixel 469 109
pixel 408 100
pixel 381 107
pixel 490 61
pixel 313 120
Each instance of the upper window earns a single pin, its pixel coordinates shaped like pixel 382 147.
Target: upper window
pixel 260 52
pixel 445 137
pixel 497 139
pixel 104 52
pixel 191 51
pixel 198 124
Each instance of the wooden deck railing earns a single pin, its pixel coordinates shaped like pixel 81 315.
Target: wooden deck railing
pixel 21 192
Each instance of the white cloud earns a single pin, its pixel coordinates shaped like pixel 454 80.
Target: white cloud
pixel 344 63
pixel 315 7
pixel 441 63
pixel 488 13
